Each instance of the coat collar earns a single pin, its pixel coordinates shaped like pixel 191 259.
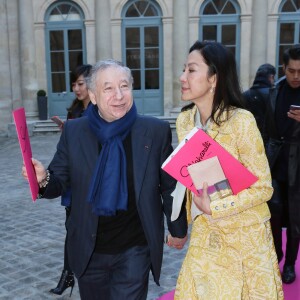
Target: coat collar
pixel 187 123
pixel 141 148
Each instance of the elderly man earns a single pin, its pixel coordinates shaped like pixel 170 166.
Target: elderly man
pixel 111 159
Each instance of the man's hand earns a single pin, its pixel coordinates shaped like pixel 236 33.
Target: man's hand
pixel 203 201
pixel 294 114
pixel 40 170
pixel 175 242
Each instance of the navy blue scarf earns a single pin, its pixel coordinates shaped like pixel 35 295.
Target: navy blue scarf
pixel 108 189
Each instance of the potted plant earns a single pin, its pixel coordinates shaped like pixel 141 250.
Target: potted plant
pixel 42 104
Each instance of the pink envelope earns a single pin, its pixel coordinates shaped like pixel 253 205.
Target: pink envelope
pixel 24 141
pixel 199 146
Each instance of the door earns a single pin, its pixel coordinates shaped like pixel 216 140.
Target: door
pixel 65 50
pixel 142 50
pixel 143 58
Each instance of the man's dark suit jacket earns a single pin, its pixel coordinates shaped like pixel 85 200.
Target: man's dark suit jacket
pixel 73 166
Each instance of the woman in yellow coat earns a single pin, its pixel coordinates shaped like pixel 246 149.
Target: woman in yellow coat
pixel 231 253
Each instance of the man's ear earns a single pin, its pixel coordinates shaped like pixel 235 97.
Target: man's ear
pixel 92 97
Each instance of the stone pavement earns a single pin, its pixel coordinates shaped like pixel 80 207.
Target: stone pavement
pixel 32 233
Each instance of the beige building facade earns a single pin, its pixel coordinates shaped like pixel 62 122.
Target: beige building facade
pixel 151 37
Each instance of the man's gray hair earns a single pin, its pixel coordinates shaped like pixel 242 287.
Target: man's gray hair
pixel 101 65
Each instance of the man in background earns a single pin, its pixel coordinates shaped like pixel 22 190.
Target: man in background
pixel 283 151
pixel 256 97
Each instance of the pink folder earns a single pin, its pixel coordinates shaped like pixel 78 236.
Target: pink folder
pixel 199 146
pixel 22 132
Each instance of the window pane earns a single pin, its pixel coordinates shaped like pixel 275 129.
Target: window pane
pixel 57 62
pixel 141 6
pixel 132 37
pixel 280 72
pixel 288 7
pixel 75 59
pixel 136 79
pixel 232 49
pixel 55 11
pixel 229 9
pixel 75 39
pixel 219 4
pixel 132 12
pixel 151 58
pixel 58 82
pixel 210 32
pixel 64 8
pixel 281 51
pixel 150 12
pixel 56 40
pixel 55 15
pixel 64 12
pixel 151 36
pixel 73 14
pixel 152 79
pixel 209 10
pixel 287 31
pixel 228 35
pixel 133 58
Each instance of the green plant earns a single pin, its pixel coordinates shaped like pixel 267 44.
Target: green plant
pixel 41 93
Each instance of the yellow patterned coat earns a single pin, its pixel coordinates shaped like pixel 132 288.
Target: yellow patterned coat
pixel 231 253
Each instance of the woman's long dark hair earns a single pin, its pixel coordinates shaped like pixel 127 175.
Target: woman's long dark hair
pixel 80 70
pixel 220 61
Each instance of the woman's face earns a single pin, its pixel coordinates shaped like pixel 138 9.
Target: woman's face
pixel 195 84
pixel 79 87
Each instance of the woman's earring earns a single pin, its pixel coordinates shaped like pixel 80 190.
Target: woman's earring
pixel 212 89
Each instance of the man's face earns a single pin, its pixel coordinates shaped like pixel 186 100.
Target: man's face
pixel 113 93
pixel 292 73
pixel 271 79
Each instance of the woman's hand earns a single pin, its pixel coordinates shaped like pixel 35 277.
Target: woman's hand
pixel 40 170
pixel 203 201
pixel 175 242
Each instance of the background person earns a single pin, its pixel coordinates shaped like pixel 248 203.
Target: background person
pixel 231 253
pixel 79 87
pixel 111 160
pixel 283 151
pixel 257 96
pixel 76 110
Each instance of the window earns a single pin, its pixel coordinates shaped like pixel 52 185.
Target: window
pixel 289 29
pixel 220 21
pixel 65 50
pixel 142 53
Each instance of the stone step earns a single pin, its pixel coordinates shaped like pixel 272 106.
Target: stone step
pixel 45 127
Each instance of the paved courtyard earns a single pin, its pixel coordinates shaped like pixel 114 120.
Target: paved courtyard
pixel 32 233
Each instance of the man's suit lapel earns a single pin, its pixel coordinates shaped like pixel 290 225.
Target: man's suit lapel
pixel 90 153
pixel 141 147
